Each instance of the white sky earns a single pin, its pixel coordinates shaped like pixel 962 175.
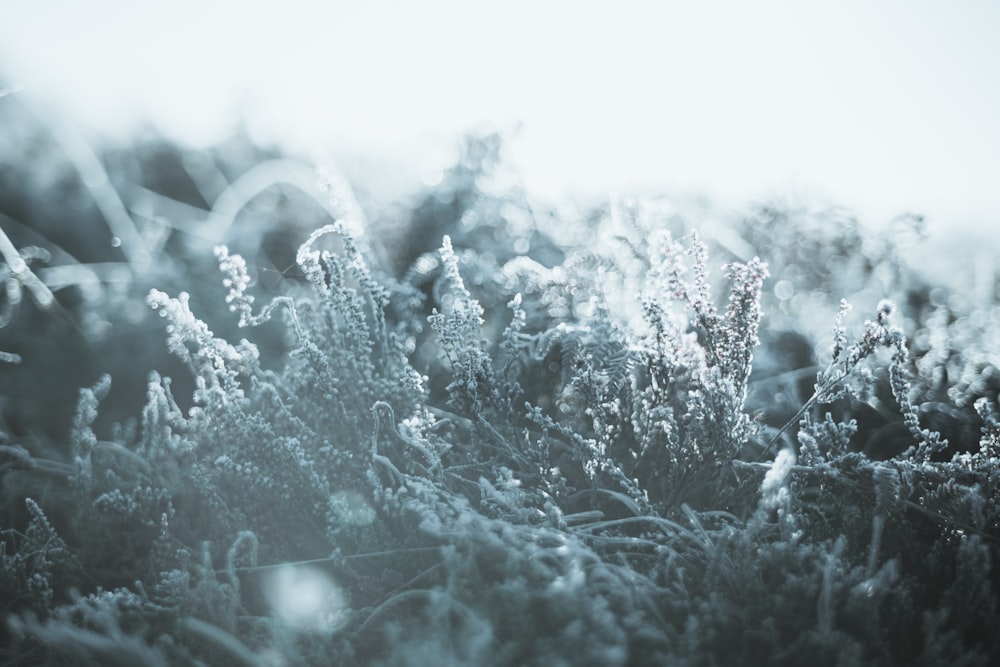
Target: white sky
pixel 885 106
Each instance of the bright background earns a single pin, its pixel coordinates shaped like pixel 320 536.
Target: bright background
pixel 882 106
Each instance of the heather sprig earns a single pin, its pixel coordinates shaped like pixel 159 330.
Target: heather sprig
pixel 831 383
pixel 216 364
pixel 473 384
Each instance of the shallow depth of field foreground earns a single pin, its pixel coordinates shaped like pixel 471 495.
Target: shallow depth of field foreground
pixel 249 419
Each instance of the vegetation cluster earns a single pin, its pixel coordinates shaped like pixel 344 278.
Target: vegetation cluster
pixel 248 421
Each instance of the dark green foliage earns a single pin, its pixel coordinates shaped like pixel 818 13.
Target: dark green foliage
pixel 513 450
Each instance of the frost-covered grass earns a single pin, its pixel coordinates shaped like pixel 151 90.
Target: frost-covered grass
pixel 462 432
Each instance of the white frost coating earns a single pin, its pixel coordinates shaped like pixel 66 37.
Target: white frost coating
pixel 774 488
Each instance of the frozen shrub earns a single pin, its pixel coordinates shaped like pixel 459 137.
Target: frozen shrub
pixel 551 471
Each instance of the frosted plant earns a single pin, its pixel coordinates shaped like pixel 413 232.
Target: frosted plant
pixel 216 364
pixel 458 328
pixel 577 485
